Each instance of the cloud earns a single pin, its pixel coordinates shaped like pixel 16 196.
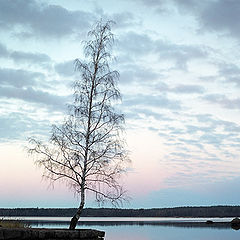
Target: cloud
pixel 227 69
pixel 24 57
pixel 159 6
pixel 145 112
pixel 3 51
pixel 39 19
pixel 188 89
pixel 133 73
pixel 151 101
pixel 228 127
pixel 192 129
pixel 222 16
pixel 35 96
pixel 215 15
pixel 213 138
pixel 65 69
pixel 19 78
pixel 190 5
pixel 31 58
pixel 223 101
pixel 24 85
pixel 201 193
pixel 180 53
pixel 122 19
pixel 141 45
pixel 152 3
pixel 137 44
pixel 16 126
pixel 230 73
pixel 178 89
pixel 208 140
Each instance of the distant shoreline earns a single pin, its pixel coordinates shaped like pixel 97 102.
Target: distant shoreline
pixel 202 211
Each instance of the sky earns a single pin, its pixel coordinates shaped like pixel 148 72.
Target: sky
pixel 179 65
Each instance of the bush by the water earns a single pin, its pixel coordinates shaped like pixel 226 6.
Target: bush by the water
pixel 13 224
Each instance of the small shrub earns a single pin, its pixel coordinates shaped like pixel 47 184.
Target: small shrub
pixel 13 224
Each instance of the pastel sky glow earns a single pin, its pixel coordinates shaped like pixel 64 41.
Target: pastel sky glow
pixel 179 64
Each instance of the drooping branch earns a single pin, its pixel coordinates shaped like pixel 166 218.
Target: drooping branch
pixel 86 151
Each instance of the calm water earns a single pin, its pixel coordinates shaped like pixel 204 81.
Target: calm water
pixel 146 228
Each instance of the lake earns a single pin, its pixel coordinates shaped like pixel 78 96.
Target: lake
pixel 146 228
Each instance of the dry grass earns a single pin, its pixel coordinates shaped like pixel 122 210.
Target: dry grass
pixel 13 224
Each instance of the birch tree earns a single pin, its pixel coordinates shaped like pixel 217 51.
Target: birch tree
pixel 87 151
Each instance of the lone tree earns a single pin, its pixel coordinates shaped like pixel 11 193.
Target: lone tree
pixel 87 150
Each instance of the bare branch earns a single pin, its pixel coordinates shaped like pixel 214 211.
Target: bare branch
pixel 86 151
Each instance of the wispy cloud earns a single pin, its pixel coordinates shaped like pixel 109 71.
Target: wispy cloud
pixel 151 101
pixel 21 126
pixel 143 45
pixel 223 101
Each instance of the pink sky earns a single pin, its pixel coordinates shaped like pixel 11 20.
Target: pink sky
pixel 179 80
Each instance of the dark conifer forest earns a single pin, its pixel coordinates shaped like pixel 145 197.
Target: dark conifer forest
pixel 211 211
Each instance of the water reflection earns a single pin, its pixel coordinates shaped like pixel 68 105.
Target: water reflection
pixel 169 233
pixel 155 230
pixel 218 225
pixel 147 228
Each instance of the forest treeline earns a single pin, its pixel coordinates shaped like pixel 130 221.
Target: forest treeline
pixel 211 211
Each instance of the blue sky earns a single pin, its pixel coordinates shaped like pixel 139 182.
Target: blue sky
pixel 179 78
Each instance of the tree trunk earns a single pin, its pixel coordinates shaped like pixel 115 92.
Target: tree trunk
pixel 76 217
